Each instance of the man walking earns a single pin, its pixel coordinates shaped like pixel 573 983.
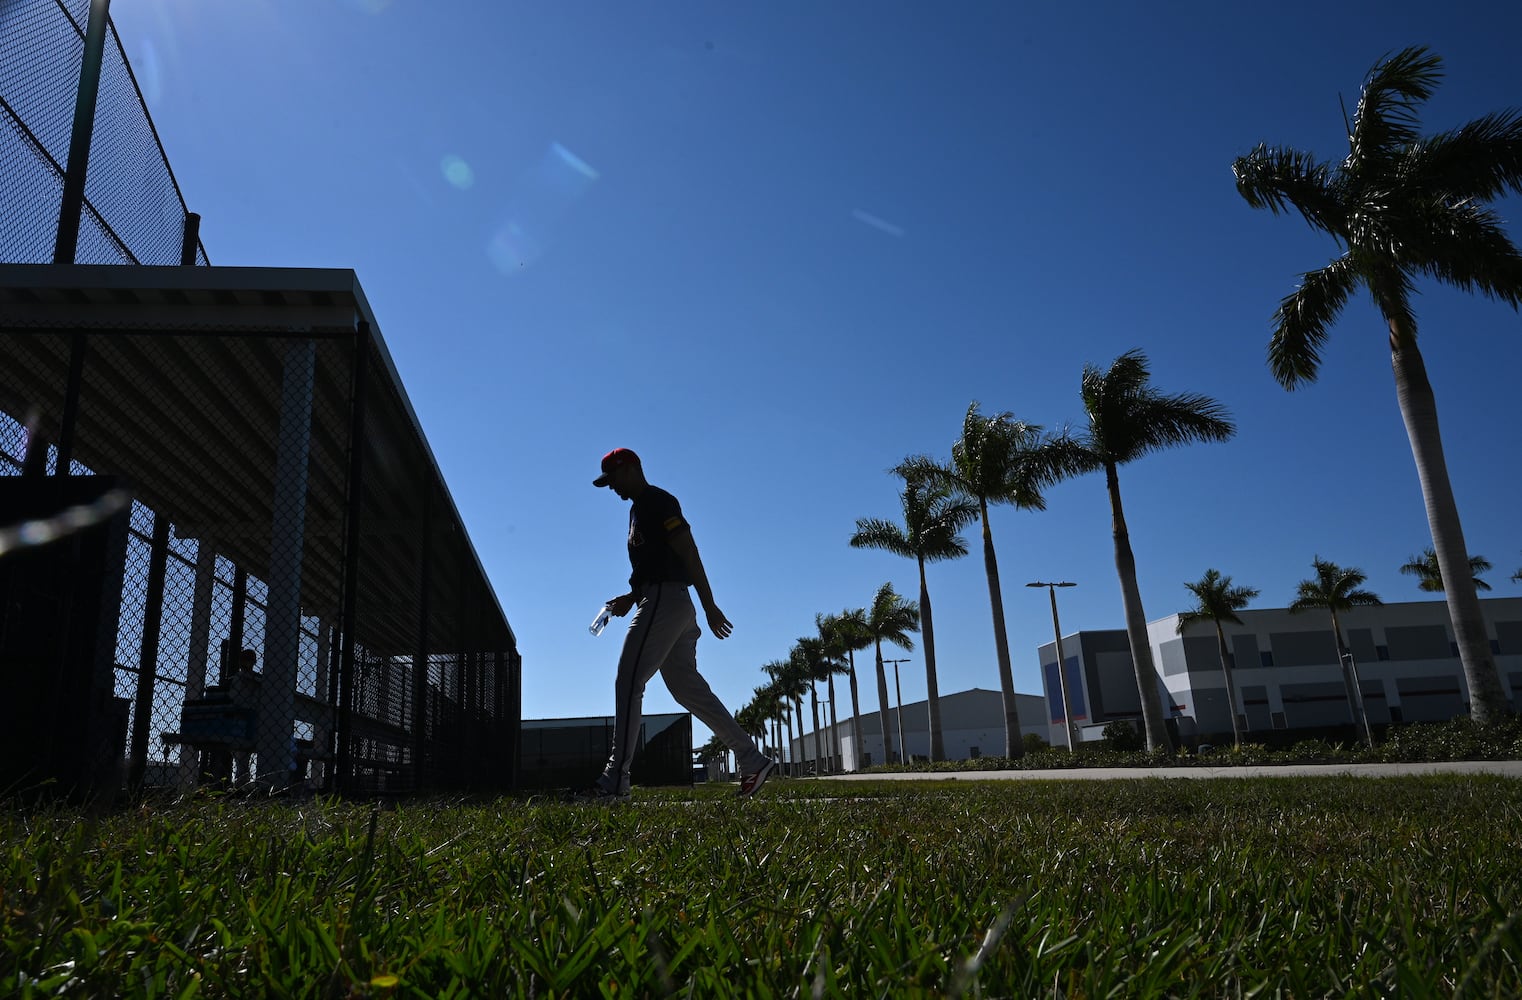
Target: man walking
pixel 663 636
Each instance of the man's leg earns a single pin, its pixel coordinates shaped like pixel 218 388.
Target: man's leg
pixel 692 692
pixel 659 621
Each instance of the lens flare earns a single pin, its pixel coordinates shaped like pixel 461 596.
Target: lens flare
pixel 539 201
pixel 457 172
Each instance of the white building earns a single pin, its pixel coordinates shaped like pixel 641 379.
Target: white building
pixel 972 725
pixel 1286 672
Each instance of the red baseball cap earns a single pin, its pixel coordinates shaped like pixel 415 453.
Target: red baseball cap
pixel 612 460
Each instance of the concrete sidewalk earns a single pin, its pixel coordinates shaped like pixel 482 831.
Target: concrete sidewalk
pixel 1506 768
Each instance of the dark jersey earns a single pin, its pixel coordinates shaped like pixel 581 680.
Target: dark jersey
pixel 654 517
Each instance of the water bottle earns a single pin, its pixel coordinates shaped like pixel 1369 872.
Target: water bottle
pixel 599 623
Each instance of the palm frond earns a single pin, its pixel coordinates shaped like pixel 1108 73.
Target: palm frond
pixel 1303 319
pixel 876 533
pixel 1169 421
pixel 1334 587
pixel 1480 160
pixel 1281 178
pixel 1386 119
pixel 1216 600
pixel 1128 418
pixel 1430 576
pixel 1469 248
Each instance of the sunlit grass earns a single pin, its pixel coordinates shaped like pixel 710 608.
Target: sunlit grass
pixel 1296 887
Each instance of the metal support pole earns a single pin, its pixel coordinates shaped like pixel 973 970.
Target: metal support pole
pixel 1355 690
pixel 190 240
pixel 353 498
pixel 78 346
pixel 1062 666
pixel 71 208
pixel 420 656
pixel 234 646
pixel 275 739
pixel 1062 672
pixel 148 652
pixel 200 641
pixel 903 751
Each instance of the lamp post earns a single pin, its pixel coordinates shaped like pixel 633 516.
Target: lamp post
pixel 1062 675
pixel 903 754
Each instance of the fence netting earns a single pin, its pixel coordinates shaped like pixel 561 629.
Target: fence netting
pixel 134 212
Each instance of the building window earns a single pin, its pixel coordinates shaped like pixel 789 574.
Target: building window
pixel 1453 649
pixel 1279 721
pixel 1495 646
pixel 1396 715
pixel 973 753
pixel 1382 652
pixel 1267 656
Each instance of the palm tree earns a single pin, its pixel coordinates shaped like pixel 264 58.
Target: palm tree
pixel 1430 575
pixel 789 686
pixel 837 651
pixel 1218 601
pixel 813 665
pixel 998 460
pixel 890 619
pixel 848 633
pixel 1336 588
pixel 1128 418
pixel 766 708
pixel 714 754
pixel 933 516
pixel 1403 206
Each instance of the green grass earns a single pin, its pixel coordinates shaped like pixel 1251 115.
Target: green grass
pixel 1264 887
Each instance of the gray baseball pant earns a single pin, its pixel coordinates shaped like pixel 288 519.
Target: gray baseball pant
pixel 663 638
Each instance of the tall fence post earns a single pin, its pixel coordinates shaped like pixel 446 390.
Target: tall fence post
pixel 420 657
pixel 353 496
pixel 148 654
pixel 282 611
pixel 200 643
pixel 72 206
pixel 190 240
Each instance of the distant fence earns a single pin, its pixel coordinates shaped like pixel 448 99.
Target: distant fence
pixel 133 210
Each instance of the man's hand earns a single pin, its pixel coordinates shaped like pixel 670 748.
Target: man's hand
pixel 717 623
pixel 621 604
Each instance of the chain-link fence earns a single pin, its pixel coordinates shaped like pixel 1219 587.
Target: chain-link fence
pixel 133 211
pixel 289 597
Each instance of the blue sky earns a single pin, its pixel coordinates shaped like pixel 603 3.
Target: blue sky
pixel 775 248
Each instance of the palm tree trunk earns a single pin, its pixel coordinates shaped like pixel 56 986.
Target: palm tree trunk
pixel 803 747
pixel 1418 408
pixel 1228 666
pixel 1136 622
pixel 787 754
pixel 932 689
pixel 818 746
pixel 856 712
pixel 834 726
pixel 882 701
pixel 1014 746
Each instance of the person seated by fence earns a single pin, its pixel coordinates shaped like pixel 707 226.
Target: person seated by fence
pixel 243 689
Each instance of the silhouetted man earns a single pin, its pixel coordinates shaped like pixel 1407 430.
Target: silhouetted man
pixel 663 635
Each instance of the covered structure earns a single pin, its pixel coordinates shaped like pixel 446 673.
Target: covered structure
pixel 283 500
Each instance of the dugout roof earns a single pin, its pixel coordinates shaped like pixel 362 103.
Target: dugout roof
pixel 181 396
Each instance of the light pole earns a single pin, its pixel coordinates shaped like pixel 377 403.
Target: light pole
pixel 903 754
pixel 1062 674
